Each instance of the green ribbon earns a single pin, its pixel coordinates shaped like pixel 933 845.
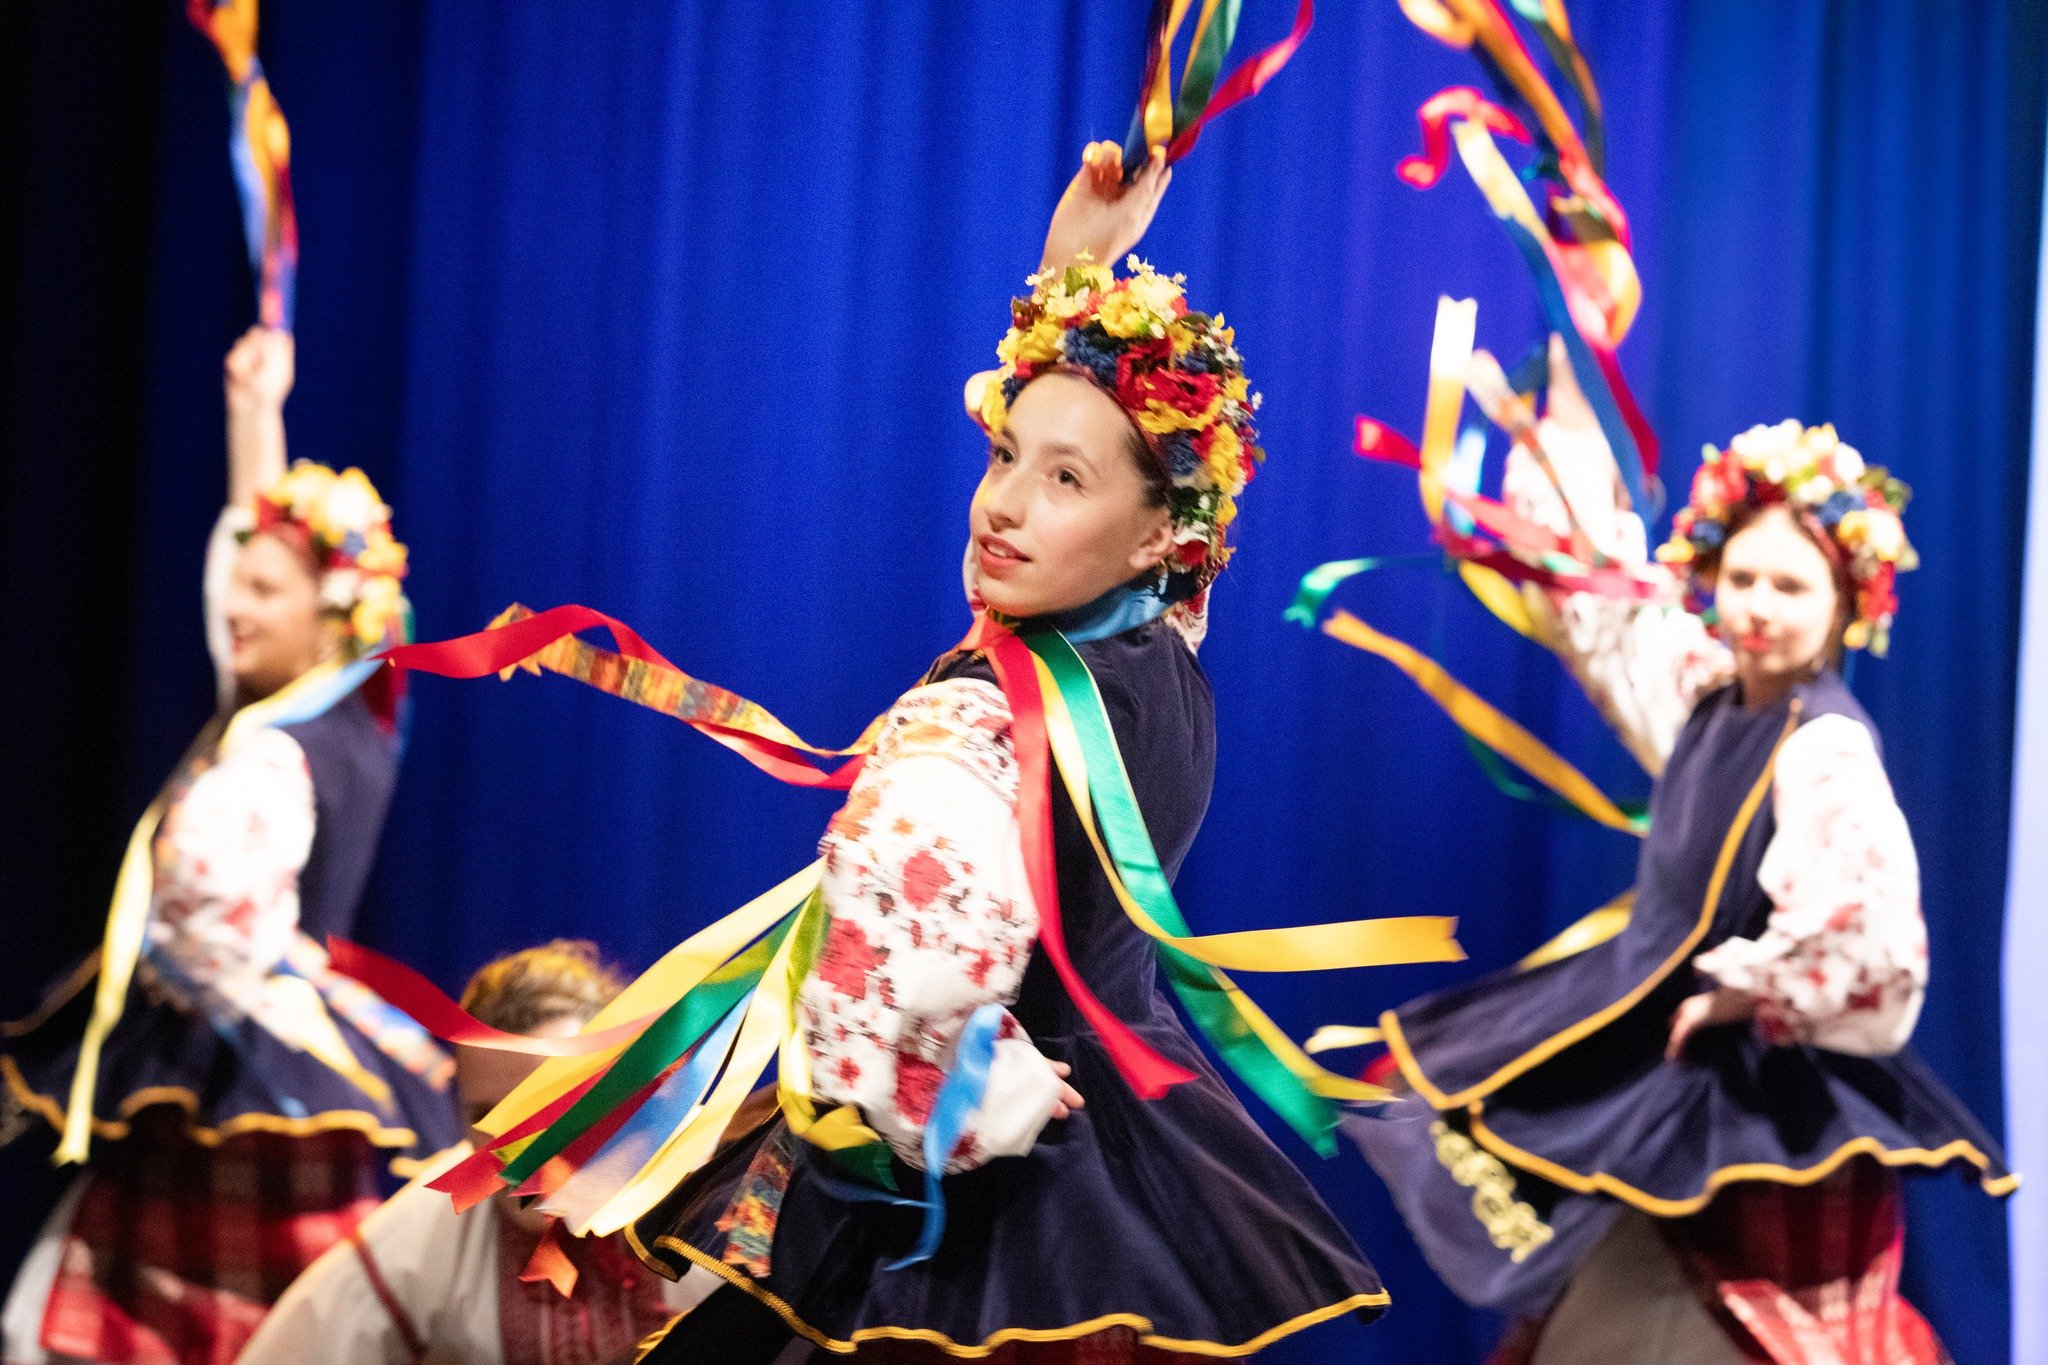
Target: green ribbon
pixel 1200 79
pixel 681 1027
pixel 1204 992
pixel 1318 583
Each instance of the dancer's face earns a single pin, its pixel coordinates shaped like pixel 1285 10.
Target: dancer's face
pixel 1777 597
pixel 276 630
pixel 1063 514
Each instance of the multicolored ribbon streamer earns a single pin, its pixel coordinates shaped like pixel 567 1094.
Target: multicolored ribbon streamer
pixel 1164 119
pixel 610 1123
pixel 523 639
pixel 1577 246
pixel 260 149
pixel 1149 1074
pixel 1484 25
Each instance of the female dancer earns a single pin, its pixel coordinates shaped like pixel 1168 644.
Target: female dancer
pixel 966 987
pixel 1700 1120
pixel 232 1092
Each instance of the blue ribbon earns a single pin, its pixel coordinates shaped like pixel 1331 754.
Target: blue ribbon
pixel 663 1113
pixel 324 698
pixel 1592 379
pixel 965 1086
pixel 958 1098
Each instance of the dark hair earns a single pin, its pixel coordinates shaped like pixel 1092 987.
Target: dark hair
pixel 1745 515
pixel 1151 468
pixel 1175 584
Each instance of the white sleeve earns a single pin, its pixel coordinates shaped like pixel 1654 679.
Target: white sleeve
pixel 932 918
pixel 1842 963
pixel 1644 664
pixel 228 529
pixel 229 854
pixel 421 1249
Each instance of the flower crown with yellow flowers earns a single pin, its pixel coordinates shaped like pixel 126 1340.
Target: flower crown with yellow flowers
pixel 1856 509
pixel 343 528
pixel 1175 373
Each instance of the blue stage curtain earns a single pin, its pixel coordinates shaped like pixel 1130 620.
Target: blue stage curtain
pixel 666 309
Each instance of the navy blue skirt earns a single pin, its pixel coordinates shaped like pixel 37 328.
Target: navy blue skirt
pixel 1176 1218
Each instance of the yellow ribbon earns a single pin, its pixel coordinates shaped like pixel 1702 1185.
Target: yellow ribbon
pixel 1450 350
pixel 1159 103
pixel 1480 720
pixel 1334 1037
pixel 1589 931
pixel 1502 598
pixel 128 913
pixel 1299 948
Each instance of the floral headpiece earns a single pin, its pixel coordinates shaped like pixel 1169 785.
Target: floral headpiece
pixel 343 528
pixel 1176 373
pixel 1813 472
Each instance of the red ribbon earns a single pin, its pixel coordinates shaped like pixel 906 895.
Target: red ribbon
pixel 1247 80
pixel 1510 525
pixel 1149 1074
pixel 1378 441
pixel 550 1264
pixel 432 1010
pixel 1435 115
pixel 476 1177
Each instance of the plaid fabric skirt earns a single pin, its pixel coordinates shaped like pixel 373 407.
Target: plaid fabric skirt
pixel 1792 1274
pixel 176 1250
pixel 1809 1275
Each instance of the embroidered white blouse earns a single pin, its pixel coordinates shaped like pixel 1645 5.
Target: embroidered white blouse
pixel 1842 962
pixel 225 912
pixel 931 919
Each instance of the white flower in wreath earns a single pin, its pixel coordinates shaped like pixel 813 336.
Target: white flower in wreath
pixel 339 589
pixel 1884 536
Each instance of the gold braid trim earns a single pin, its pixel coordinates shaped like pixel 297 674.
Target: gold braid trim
pixel 1512 1225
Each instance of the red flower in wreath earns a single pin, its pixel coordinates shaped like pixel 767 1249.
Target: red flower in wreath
pixel 1134 362
pixel 1720 482
pixel 1177 389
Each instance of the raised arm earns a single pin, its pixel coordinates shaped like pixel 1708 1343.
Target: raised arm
pixel 1643 663
pixel 1099 215
pixel 258 374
